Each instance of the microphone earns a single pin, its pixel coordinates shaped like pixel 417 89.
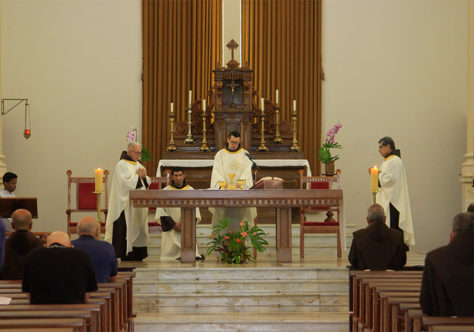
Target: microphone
pixel 254 165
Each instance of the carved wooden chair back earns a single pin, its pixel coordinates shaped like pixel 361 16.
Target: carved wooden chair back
pixel 329 224
pixel 85 199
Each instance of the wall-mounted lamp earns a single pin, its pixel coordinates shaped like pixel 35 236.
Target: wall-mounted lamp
pixel 27 131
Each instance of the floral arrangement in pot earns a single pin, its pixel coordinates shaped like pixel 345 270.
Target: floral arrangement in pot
pixel 325 155
pixel 234 247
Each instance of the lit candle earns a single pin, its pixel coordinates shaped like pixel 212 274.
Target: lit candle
pixel 171 108
pixel 204 105
pixel 98 180
pixel 276 96
pixel 190 98
pixel 374 179
pixel 262 101
pixel 294 105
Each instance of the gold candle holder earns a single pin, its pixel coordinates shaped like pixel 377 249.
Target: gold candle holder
pixel 277 138
pixel 189 138
pixel 262 146
pixel 171 146
pixel 374 197
pixel 294 146
pixel 204 147
pixel 99 219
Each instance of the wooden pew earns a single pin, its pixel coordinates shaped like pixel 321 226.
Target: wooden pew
pixel 413 318
pixel 359 304
pixel 74 324
pixel 86 315
pixel 128 275
pixel 59 310
pixel 431 322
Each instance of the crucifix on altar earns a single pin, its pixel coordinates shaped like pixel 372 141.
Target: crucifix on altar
pixel 233 108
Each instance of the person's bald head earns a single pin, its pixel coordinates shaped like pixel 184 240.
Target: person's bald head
pixel 60 238
pixel 88 226
pixel 375 213
pixel 22 220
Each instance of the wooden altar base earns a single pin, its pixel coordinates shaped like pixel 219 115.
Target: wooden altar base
pixel 305 295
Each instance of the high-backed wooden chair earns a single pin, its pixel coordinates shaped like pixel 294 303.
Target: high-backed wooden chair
pixel 329 224
pixel 86 200
pixel 157 183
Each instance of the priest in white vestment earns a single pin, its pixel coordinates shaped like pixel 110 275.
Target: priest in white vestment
pixel 170 220
pixel 127 227
pixel 231 164
pixel 393 191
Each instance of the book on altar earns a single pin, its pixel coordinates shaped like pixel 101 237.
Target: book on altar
pixel 269 182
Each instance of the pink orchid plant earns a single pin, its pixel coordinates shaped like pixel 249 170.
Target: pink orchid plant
pixel 330 143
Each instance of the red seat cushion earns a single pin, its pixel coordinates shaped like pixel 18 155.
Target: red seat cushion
pixel 86 199
pixel 322 223
pixel 320 185
pixel 74 224
pixel 154 186
pixel 153 223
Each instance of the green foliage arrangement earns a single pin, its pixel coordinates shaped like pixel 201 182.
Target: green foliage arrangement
pixel 330 143
pixel 233 247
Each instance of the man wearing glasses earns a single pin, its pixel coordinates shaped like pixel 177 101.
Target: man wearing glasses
pixel 126 227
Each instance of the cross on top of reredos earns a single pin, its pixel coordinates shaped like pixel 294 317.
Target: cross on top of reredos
pixel 232 45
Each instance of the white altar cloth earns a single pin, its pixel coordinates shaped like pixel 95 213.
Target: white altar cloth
pixel 209 162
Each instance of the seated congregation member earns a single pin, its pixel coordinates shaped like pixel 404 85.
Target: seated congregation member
pixel 9 186
pixel 470 208
pixel 170 220
pixel 58 273
pixel 448 278
pixel 377 247
pixel 18 245
pixel 102 253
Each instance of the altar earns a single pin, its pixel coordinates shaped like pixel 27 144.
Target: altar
pixel 282 200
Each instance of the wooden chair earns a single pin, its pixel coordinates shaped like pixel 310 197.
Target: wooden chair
pixel 329 225
pixel 86 200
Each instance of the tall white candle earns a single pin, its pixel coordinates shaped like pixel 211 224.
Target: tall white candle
pixel 262 102
pixel 276 96
pixel 294 105
pixel 190 98
pixel 204 105
pixel 171 108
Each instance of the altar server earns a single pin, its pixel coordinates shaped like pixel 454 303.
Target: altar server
pixel 393 191
pixel 127 227
pixel 231 164
pixel 170 219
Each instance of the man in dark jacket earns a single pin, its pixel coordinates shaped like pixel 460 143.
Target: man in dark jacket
pixel 377 247
pixel 58 273
pixel 18 245
pixel 448 278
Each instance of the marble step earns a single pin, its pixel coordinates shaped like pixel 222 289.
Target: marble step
pixel 330 239
pixel 225 286
pixel 320 302
pixel 242 321
pixel 311 250
pixel 237 273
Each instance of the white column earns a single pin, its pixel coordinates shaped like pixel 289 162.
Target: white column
pixel 467 168
pixel 231 29
pixel 3 165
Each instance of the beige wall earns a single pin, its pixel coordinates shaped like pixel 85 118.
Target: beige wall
pixel 392 67
pixel 79 63
pixel 398 68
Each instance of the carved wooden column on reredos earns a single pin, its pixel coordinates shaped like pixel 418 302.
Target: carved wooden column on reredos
pixel 233 102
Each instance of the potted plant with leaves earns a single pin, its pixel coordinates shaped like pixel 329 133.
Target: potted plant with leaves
pixel 325 155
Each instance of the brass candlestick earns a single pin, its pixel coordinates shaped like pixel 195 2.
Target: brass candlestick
pixel 294 146
pixel 99 219
pixel 374 198
pixel 262 146
pixel 204 147
pixel 277 138
pixel 189 138
pixel 171 146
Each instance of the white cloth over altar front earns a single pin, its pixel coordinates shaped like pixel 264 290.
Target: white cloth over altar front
pixel 209 162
